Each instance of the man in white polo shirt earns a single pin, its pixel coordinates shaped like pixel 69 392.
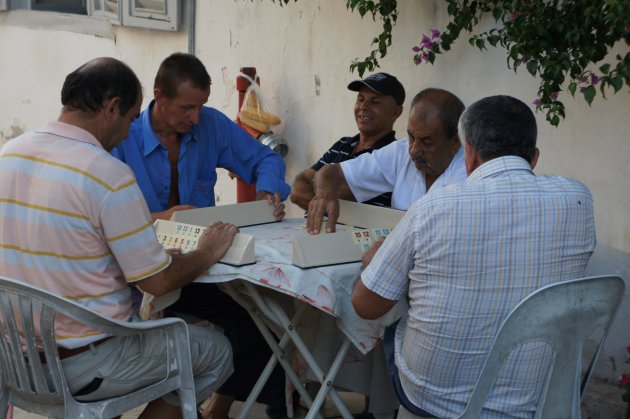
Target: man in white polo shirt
pixel 430 157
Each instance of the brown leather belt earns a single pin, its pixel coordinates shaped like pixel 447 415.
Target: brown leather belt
pixel 67 353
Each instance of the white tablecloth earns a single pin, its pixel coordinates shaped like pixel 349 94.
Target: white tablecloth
pixel 328 288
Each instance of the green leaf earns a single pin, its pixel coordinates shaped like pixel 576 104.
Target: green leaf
pixel 605 68
pixel 572 87
pixel 361 68
pixel 532 67
pixel 555 120
pixel 497 13
pixel 617 83
pixel 589 94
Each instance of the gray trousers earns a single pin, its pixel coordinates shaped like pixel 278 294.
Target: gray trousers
pixel 121 365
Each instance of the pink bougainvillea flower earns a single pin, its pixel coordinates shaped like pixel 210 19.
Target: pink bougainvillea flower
pixel 537 102
pixel 628 349
pixel 426 42
pixel 417 60
pixel 435 33
pixel 416 49
pixel 594 79
pixel 624 380
pixel 554 96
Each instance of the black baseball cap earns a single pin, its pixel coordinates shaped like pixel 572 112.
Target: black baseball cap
pixel 383 84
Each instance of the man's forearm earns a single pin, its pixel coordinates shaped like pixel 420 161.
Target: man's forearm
pixel 368 304
pixel 330 181
pixel 183 270
pixel 326 181
pixel 302 190
pixel 269 175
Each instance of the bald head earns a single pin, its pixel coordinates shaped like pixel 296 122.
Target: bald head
pixel 98 80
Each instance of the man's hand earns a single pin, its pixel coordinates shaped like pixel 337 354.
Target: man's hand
pixel 368 255
pixel 217 239
pixel 320 206
pixel 275 200
pixel 185 267
pixel 329 185
pixel 166 215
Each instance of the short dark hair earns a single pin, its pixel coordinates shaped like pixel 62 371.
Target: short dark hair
pixel 98 80
pixel 499 126
pixel 180 68
pixel 448 105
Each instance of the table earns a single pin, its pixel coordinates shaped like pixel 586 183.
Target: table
pixel 327 288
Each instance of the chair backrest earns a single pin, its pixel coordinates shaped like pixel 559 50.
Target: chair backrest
pixel 34 380
pixel 563 315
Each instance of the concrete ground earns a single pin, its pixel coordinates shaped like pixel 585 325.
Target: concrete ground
pixel 354 402
pixel 601 401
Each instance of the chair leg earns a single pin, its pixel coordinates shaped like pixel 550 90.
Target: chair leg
pixel 6 410
pixel 188 403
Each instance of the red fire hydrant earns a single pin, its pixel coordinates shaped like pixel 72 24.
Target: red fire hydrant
pixel 245 192
pixel 256 126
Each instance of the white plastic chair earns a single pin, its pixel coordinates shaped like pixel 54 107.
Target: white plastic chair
pixel 24 383
pixel 564 315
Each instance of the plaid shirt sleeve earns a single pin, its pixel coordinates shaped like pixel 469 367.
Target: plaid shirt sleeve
pixel 388 273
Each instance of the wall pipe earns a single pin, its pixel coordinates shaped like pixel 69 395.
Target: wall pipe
pixel 192 7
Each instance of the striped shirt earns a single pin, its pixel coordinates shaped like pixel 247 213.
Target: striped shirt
pixel 464 256
pixel 343 150
pixel 73 222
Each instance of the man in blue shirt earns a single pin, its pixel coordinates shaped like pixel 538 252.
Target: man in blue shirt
pixel 177 143
pixel 174 148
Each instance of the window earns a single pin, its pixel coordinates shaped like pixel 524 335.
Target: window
pixel 107 9
pixel 154 14
pixel 66 6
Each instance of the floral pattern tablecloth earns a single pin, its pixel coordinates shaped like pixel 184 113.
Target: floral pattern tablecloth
pixel 328 288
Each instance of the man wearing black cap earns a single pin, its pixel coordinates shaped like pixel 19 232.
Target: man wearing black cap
pixel 379 103
pixel 429 158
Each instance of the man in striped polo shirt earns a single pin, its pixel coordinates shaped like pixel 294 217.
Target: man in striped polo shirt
pixel 379 103
pixel 74 222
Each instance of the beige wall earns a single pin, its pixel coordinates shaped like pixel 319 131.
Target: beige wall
pixel 302 52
